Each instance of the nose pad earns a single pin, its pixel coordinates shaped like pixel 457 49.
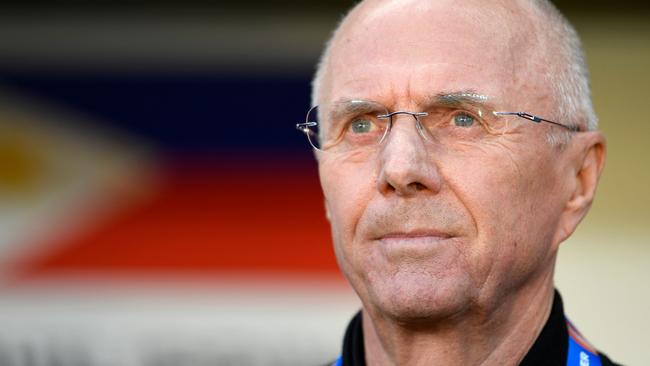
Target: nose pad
pixel 414 117
pixel 424 133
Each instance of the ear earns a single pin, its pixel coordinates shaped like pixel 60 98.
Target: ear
pixel 589 159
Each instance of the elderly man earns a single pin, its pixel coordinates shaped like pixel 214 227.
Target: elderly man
pixel 457 148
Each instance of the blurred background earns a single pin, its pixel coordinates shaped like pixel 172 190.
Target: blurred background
pixel 158 207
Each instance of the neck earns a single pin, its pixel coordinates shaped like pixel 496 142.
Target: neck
pixel 503 337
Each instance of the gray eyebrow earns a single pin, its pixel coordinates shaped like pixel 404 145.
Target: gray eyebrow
pixel 345 107
pixel 460 98
pixel 455 99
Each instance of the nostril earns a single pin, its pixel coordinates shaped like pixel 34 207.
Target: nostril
pixel 418 186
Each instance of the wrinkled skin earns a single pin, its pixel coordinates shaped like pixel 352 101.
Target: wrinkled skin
pixel 439 236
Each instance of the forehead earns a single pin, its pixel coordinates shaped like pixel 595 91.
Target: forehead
pixel 393 50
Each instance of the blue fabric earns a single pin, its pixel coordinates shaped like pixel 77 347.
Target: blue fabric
pixel 338 362
pixel 580 356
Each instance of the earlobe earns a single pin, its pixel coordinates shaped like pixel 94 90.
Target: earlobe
pixel 589 167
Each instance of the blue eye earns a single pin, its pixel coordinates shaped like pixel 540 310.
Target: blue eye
pixel 463 120
pixel 361 126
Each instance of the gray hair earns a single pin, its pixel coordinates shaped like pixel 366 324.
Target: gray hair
pixel 570 79
pixel 569 76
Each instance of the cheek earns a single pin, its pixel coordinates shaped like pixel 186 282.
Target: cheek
pixel 504 196
pixel 348 188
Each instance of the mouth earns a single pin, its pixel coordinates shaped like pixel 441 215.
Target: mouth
pixel 417 237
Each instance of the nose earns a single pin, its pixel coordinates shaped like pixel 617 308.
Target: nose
pixel 407 165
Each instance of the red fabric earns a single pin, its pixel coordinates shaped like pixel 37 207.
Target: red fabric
pixel 210 218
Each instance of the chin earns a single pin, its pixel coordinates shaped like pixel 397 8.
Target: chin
pixel 416 297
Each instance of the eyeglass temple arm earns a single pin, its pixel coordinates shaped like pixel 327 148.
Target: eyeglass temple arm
pixel 536 119
pixel 303 126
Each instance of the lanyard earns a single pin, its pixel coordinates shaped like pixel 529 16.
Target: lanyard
pixel 581 353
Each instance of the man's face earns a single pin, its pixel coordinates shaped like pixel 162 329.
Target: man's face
pixel 420 230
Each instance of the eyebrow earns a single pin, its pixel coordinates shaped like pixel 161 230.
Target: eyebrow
pixel 346 107
pixel 459 99
pixel 453 99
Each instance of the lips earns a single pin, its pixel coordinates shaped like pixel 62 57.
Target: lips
pixel 420 221
pixel 412 245
pixel 417 234
pixel 416 240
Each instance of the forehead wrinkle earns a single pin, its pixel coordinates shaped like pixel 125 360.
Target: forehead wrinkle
pixel 506 19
